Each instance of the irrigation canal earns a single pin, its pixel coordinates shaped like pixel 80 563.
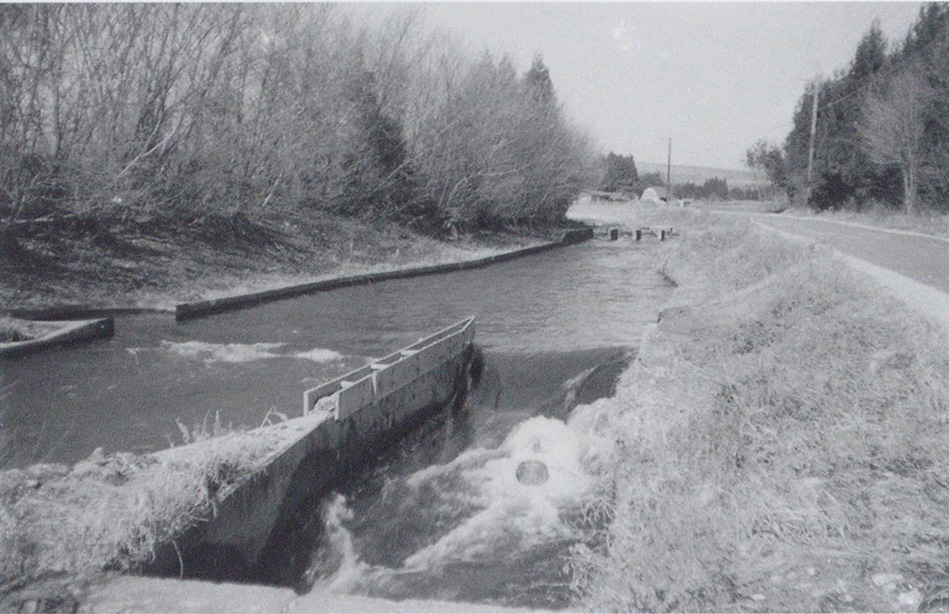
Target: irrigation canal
pixel 442 515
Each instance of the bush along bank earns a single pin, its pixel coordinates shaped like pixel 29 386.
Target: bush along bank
pixel 783 442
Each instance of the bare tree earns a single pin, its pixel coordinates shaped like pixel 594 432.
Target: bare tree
pixel 894 128
pixel 191 112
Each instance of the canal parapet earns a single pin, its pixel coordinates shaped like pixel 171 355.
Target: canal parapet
pixel 378 380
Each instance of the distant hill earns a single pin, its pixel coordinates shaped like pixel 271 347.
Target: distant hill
pixel 737 178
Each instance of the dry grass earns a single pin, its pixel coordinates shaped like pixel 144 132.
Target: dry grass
pixel 110 513
pixel 786 442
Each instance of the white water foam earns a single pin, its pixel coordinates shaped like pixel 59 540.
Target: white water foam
pixel 336 568
pixel 319 355
pixel 502 515
pixel 238 352
pixel 222 352
pixel 514 517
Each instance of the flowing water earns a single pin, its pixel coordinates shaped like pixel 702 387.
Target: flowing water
pixel 441 515
pixel 444 515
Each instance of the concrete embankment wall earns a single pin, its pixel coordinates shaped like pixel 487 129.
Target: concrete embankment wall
pixel 258 523
pixel 187 311
pixel 70 333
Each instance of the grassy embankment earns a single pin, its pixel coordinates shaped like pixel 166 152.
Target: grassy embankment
pixel 63 527
pixel 784 440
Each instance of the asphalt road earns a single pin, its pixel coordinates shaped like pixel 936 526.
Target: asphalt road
pixel 924 259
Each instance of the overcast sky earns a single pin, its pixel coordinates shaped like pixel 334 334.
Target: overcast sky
pixel 715 77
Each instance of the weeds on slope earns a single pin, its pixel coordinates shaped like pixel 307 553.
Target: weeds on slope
pixel 786 443
pixel 112 512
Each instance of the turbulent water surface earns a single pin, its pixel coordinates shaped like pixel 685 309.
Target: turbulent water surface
pixel 442 515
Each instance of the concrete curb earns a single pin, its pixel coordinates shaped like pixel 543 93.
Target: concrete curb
pixel 74 332
pixel 189 311
pixel 928 301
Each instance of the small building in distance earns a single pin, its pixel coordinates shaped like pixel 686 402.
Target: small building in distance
pixel 622 197
pixel 655 194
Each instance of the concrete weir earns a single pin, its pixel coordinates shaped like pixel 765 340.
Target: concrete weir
pixel 346 422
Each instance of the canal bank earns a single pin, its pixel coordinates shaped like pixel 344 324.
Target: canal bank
pixel 102 276
pixel 198 309
pixel 784 440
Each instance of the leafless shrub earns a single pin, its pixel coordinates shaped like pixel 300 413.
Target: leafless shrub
pixel 183 111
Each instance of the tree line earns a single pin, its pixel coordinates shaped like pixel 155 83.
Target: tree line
pixel 882 129
pixel 186 112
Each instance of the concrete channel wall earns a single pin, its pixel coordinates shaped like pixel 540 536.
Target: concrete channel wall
pixel 374 382
pixel 348 422
pixel 71 333
pixel 188 311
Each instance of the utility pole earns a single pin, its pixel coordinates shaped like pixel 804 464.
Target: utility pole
pixel 810 149
pixel 669 172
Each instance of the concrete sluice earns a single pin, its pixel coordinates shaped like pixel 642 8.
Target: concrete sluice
pixel 443 514
pixel 435 508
